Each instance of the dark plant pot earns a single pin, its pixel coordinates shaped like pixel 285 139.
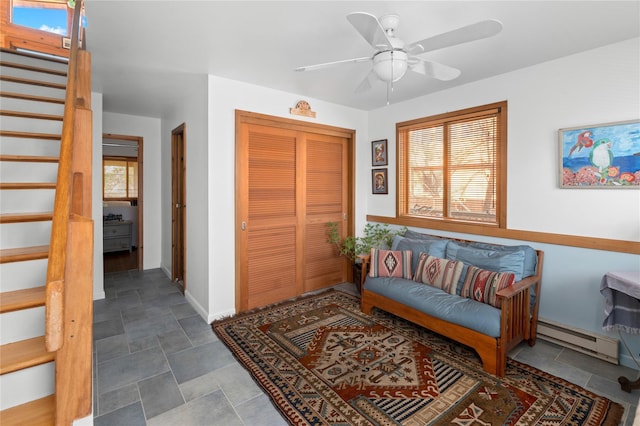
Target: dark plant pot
pixel 357 274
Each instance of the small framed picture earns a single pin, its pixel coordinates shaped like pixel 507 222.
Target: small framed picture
pixel 379 153
pixel 379 181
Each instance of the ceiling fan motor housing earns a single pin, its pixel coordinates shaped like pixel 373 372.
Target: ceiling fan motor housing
pixel 390 65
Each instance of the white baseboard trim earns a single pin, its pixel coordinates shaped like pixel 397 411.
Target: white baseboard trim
pixel 194 303
pixel 221 315
pixel 166 271
pixel 209 318
pixel 99 295
pixel 84 421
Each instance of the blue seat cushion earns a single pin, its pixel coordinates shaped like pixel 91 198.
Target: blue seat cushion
pixel 432 301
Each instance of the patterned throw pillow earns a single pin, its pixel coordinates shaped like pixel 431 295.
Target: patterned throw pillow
pixel 390 263
pixel 438 272
pixel 482 285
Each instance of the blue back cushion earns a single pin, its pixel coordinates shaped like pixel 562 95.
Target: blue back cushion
pixel 530 255
pixel 488 258
pixel 413 235
pixel 435 248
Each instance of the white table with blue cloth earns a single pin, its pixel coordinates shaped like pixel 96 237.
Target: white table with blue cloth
pixel 621 291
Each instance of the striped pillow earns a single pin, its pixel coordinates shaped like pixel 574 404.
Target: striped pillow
pixel 390 263
pixel 437 272
pixel 482 285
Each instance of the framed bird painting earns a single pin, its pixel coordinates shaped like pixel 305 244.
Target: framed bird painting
pixel 600 156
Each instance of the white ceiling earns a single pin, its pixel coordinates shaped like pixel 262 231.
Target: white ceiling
pixel 143 51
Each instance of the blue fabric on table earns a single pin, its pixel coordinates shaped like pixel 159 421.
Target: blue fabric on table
pixel 621 291
pixel 435 302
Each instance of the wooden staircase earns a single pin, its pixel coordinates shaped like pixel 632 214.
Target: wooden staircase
pixel 25 297
pixel 46 238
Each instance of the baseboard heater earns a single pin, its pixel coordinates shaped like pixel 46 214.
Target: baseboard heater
pixel 587 342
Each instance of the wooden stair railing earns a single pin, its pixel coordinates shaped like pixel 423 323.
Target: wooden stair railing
pixel 68 292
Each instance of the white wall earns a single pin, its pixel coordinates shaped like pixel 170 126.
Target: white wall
pixel 598 86
pixel 192 111
pixel 225 96
pixel 96 196
pixel 149 129
pixel 593 87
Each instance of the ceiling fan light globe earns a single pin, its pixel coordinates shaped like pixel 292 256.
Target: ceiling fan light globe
pixel 390 66
pixel 390 21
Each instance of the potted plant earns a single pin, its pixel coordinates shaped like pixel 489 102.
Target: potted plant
pixel 373 236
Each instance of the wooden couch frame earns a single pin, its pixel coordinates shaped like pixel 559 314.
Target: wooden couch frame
pixel 518 319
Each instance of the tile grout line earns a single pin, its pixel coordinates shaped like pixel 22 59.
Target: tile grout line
pixel 233 407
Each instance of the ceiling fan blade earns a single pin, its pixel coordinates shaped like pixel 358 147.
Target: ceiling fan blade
pixel 477 31
pixel 370 29
pixel 330 64
pixel 434 70
pixel 367 83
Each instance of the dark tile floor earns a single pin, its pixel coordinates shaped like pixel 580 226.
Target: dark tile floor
pixel 157 362
pixel 120 261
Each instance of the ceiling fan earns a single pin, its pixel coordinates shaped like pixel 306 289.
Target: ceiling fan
pixel 393 57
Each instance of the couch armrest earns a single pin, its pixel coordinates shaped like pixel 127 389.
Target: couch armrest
pixel 365 259
pixel 518 303
pixel 518 287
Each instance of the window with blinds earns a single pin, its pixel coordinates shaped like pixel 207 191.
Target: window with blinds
pixel 453 166
pixel 120 178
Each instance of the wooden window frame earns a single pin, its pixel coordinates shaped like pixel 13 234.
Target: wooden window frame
pixel 128 160
pixel 402 208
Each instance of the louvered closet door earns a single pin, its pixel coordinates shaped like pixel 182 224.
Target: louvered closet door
pixel 270 208
pixel 325 201
pixel 290 183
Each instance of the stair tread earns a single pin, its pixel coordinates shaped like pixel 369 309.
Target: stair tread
pixel 22 299
pixel 25 217
pixel 29 158
pixel 26 97
pixel 32 135
pixel 33 68
pixel 21 80
pixel 22 114
pixel 27 185
pixel 24 253
pixel 24 354
pixel 34 55
pixel 38 412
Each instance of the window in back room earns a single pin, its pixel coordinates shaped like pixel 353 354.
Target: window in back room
pixel 120 178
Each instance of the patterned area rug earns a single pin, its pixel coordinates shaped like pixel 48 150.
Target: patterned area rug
pixel 323 362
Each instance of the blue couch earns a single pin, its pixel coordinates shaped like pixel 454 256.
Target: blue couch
pixel 489 329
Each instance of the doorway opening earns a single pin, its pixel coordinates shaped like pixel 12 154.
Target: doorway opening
pixel 178 206
pixel 122 207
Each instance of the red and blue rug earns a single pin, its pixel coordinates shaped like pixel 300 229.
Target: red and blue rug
pixel 323 362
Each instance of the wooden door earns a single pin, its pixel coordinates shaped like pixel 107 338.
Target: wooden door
pixel 290 181
pixel 178 206
pixel 269 226
pixel 326 180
